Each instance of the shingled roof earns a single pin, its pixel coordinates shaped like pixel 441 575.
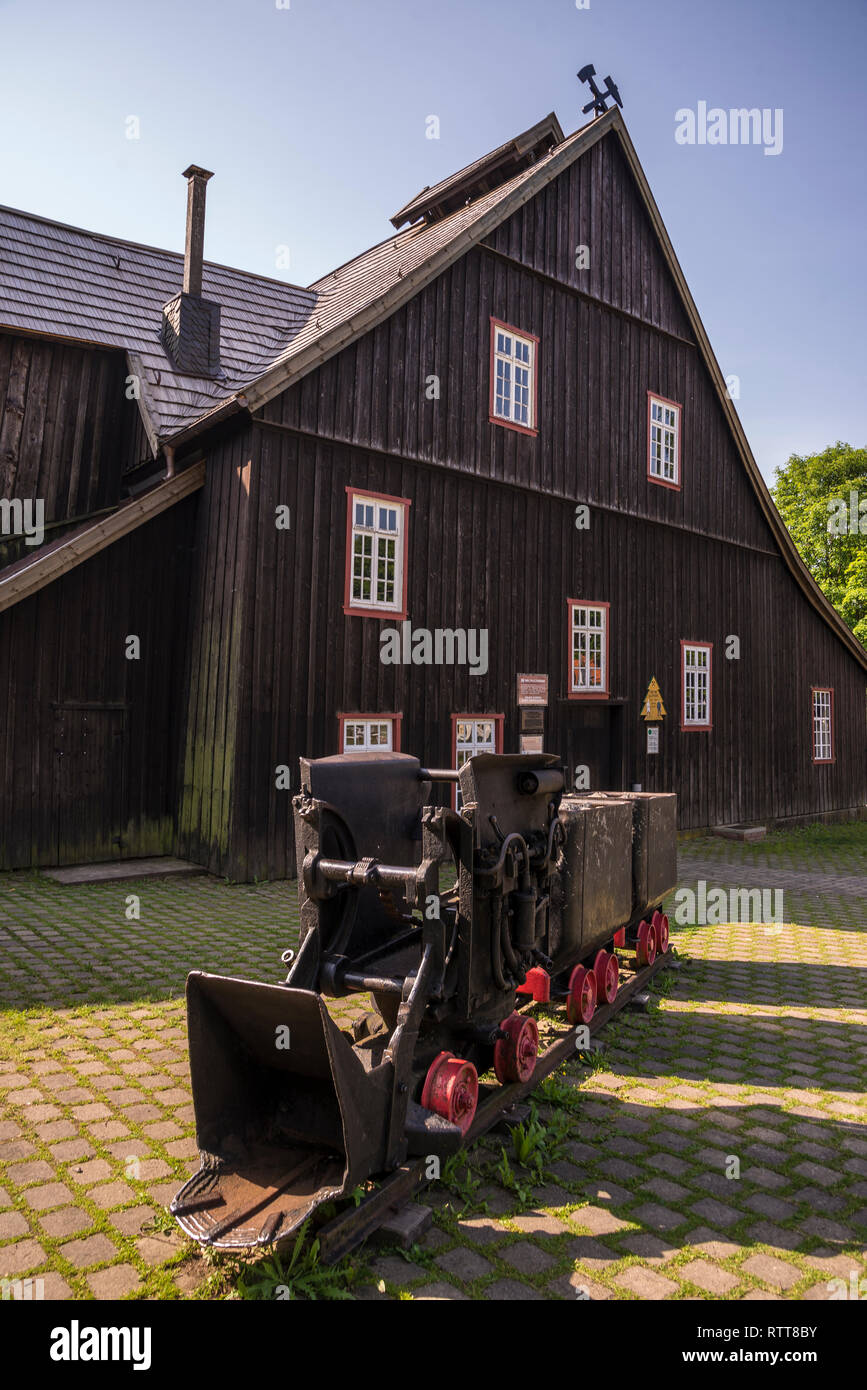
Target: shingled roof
pixel 67 283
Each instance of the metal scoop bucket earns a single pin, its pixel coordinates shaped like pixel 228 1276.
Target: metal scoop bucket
pixel 287 1114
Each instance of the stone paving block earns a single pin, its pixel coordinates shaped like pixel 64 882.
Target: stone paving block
pixel 656 1217
pixel 53 1194
pixel 536 1223
pixel 53 1130
pixel 131 1220
pixel 652 1249
pixel 718 1213
pixel 708 1277
pixel 665 1189
pixel 772 1271
pixel 65 1221
pixel 767 1205
pixel 828 1262
pixel 158 1248
pixel 96 1111
pixel 481 1230
pixel 590 1252
pixel 69 1150
pixel 597 1220
pixel 12 1224
pixel 464 1263
pixel 20 1257
pixel 526 1258
pixel 112 1194
pixel 766 1233
pixel 94 1171
pixel 37 1170
pixel 646 1283
pixel 115 1282
pixel 817 1172
pixel 91 1250
pixel 509 1291
pixel 396 1270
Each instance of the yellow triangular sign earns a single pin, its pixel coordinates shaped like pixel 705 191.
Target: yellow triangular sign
pixel 653 706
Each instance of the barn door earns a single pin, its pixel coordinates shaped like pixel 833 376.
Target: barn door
pixel 89 746
pixel 594 741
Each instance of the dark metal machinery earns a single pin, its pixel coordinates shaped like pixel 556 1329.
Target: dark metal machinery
pixel 291 1110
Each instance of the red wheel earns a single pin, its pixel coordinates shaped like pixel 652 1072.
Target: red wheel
pixel 645 950
pixel 660 924
pixel 515 1056
pixel 451 1089
pixel 606 968
pixel 581 1003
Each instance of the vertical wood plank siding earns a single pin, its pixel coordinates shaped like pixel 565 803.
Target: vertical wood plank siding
pixel 90 742
pixel 67 431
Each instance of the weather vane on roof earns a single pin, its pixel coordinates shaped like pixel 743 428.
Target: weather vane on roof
pixel 599 104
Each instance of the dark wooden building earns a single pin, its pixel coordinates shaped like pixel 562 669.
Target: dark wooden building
pixel 282 521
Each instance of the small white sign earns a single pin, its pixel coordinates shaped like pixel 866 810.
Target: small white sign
pixel 653 738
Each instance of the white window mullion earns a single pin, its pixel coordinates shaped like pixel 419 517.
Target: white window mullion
pixel 589 648
pixel 376 579
pixel 823 750
pixel 514 387
pixel 664 443
pixel 696 685
pixel 367 736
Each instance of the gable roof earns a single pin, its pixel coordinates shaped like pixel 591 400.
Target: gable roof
pixel 273 334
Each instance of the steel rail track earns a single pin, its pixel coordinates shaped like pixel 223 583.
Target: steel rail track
pixel 350 1228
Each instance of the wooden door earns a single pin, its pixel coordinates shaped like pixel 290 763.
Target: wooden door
pixel 90 768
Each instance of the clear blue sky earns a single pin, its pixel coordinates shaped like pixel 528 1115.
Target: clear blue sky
pixel 313 118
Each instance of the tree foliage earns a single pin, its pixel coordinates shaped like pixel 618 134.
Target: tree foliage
pixel 823 500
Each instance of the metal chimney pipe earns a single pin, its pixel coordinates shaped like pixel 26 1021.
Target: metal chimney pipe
pixel 194 251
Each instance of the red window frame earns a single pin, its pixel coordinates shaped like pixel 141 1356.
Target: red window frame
pixel 572 603
pixel 821 690
pixel 699 728
pixel 677 405
pixel 498 721
pixel 363 610
pixel 344 719
pixel 498 419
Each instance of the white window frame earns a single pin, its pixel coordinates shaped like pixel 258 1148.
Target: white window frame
pixel 663 444
pixel 366 727
pixel 696 672
pixel 589 622
pixel 371 533
pixel 823 724
pixel 513 376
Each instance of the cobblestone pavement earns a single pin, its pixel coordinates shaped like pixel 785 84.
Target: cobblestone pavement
pixel 717 1150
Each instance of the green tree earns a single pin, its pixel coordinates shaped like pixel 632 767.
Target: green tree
pixel 822 498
